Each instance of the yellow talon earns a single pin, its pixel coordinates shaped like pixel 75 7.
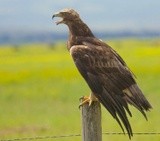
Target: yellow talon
pixel 87 99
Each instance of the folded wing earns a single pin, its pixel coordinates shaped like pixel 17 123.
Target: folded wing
pixel 110 80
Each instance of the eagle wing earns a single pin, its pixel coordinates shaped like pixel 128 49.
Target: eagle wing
pixel 110 80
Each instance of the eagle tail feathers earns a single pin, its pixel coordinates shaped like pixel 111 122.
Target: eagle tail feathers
pixel 135 97
pixel 117 110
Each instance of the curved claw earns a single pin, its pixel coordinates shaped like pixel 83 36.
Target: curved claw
pixel 84 100
pixel 87 99
pixel 81 98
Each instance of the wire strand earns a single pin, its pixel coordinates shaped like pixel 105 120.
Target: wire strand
pixel 77 135
pixel 136 133
pixel 42 137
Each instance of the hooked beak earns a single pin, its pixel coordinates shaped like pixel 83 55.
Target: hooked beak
pixel 58 14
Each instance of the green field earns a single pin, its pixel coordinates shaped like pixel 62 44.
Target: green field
pixel 40 90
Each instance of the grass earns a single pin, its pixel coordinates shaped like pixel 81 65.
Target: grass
pixel 40 88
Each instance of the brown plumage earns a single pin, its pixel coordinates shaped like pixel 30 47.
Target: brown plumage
pixel 105 72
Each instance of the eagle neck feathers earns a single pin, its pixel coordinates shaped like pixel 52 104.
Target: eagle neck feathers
pixel 77 30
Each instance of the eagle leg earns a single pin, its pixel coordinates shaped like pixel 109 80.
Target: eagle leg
pixel 87 99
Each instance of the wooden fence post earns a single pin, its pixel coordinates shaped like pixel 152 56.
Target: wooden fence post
pixel 91 122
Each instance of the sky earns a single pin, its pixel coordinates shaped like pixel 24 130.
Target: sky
pixel 100 15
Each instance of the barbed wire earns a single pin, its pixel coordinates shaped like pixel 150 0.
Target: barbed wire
pixel 136 133
pixel 42 137
pixel 76 135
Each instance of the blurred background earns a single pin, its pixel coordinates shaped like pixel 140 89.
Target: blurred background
pixel 30 21
pixel 39 85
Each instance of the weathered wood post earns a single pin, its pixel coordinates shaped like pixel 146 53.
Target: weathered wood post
pixel 91 122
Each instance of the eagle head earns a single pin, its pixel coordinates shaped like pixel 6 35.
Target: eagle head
pixel 68 15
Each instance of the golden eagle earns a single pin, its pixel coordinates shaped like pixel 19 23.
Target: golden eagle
pixel 106 73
